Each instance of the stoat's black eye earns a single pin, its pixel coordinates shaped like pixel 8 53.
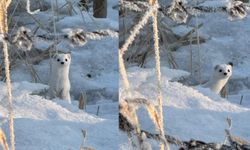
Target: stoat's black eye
pixel 228 70
pixel 66 59
pixel 89 75
pixel 58 59
pixel 220 70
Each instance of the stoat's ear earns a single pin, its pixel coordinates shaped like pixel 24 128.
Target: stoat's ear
pixel 216 67
pixel 231 64
pixel 69 55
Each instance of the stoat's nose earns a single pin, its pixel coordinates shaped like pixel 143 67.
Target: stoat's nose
pixel 225 73
pixel 62 63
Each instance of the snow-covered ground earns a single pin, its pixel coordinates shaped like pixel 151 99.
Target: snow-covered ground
pixel 54 124
pixel 46 124
pixel 195 112
pixel 189 112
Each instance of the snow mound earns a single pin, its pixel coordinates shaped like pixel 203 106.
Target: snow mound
pixel 189 112
pixel 139 75
pixel 55 124
pixel 176 94
pixel 36 107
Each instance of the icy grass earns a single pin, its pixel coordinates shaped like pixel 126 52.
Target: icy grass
pixel 4 4
pixel 156 116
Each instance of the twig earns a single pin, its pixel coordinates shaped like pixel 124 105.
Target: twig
pixel 241 99
pixel 97 112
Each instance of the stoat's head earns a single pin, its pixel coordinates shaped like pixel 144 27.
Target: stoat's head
pixel 62 60
pixel 223 71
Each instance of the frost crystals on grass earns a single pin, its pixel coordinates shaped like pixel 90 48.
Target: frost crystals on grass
pixel 236 10
pixel 135 5
pixel 97 35
pixel 178 12
pixel 28 9
pixel 76 37
pixel 22 39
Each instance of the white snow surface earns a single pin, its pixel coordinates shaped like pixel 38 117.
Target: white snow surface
pixel 54 124
pixel 189 112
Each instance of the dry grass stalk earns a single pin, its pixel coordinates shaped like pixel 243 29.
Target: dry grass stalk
pixel 82 101
pixel 152 2
pixel 28 8
pixel 3 141
pixel 158 73
pixel 130 113
pixel 241 99
pixel 9 87
pixel 224 91
pixel 125 110
pixel 97 111
pixel 199 47
pixel 69 7
pixel 29 64
pixel 124 106
pixel 4 4
pixel 154 116
pixel 135 31
pixel 152 111
pixel 84 134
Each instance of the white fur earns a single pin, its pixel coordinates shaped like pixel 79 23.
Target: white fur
pixel 219 77
pixel 59 79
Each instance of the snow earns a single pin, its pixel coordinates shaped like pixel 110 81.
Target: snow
pixel 54 124
pixel 215 3
pixel 189 112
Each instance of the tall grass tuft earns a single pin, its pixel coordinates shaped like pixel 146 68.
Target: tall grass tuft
pixel 125 106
